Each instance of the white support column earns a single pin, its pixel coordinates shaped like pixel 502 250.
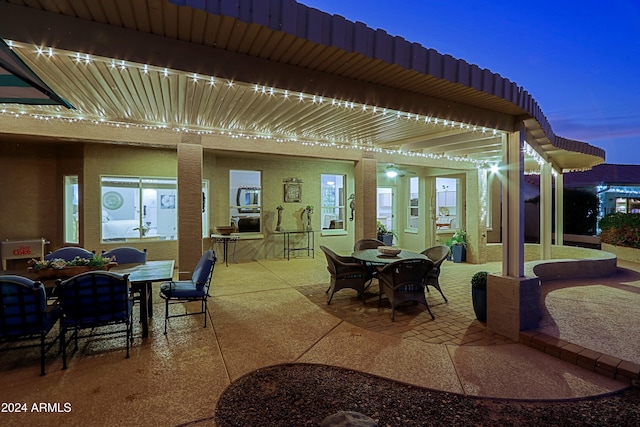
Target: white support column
pixel 545 211
pixel 513 205
pixel 513 300
pixel 559 209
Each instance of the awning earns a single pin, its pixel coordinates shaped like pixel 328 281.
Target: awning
pixel 20 85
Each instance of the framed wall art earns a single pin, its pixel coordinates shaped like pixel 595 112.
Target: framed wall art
pixel 293 190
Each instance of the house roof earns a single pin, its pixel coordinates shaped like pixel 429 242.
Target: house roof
pixel 356 85
pixel 604 174
pixel 600 175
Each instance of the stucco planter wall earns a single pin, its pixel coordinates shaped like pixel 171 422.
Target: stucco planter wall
pixel 623 253
pixel 567 262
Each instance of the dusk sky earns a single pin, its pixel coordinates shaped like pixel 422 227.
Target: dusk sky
pixel 580 60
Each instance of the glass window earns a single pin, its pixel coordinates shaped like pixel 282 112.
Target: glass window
pixel 245 200
pixel 488 183
pixel 333 201
pixel 135 207
pixel 447 204
pixel 412 208
pixel 205 208
pixel 71 201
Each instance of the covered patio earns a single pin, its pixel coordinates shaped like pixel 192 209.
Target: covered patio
pixel 189 91
pixel 267 305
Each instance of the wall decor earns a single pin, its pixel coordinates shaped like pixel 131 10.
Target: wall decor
pixel 168 201
pixel 292 190
pixel 112 200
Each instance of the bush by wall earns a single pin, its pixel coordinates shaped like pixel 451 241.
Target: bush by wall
pixel 621 229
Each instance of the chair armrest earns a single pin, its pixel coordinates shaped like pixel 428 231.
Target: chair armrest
pixel 343 269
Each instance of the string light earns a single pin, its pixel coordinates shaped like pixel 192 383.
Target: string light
pixel 286 94
pixel 630 191
pixel 529 151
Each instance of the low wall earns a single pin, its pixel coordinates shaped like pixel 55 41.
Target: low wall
pixel 567 262
pixel 623 253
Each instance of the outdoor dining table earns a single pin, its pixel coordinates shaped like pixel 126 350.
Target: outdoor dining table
pixel 141 277
pixel 374 256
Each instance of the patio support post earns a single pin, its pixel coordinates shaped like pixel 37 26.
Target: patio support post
pixel 559 209
pixel 429 189
pixel 190 158
pixel 366 184
pixel 545 211
pixel 513 301
pixel 513 205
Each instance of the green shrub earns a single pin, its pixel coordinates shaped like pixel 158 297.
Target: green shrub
pixel 620 229
pixel 479 280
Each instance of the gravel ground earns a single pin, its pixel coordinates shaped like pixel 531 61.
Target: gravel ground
pixel 303 395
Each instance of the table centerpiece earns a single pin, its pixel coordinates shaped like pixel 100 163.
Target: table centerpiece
pixel 59 269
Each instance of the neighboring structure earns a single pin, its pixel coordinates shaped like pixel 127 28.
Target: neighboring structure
pixel 190 114
pixel 617 187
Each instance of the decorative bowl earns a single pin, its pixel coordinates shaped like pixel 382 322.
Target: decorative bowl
pixel 225 230
pixel 389 250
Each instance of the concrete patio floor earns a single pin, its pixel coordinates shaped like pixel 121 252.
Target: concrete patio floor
pixel 274 311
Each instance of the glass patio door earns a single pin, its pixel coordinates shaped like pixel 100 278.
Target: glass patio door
pixel 386 207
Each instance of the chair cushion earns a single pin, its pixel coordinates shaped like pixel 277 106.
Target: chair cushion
pixel 24 307
pixel 203 269
pixel 182 289
pixel 126 255
pixel 95 298
pixel 411 288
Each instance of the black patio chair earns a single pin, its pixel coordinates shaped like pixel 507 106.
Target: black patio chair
pixel 25 315
pixel 92 300
pixel 403 281
pixel 126 255
pixel 195 289
pixel 130 255
pixel 372 267
pixel 346 272
pixel 69 253
pixel 437 254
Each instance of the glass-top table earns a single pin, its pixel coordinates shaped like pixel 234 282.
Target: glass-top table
pixel 374 256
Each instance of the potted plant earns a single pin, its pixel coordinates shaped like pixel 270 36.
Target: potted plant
pixel 145 229
pixel 459 246
pixel 59 268
pixel 449 243
pixel 479 295
pixel 384 234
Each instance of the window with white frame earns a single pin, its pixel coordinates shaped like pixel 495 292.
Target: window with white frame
pixel 205 208
pixel 139 207
pixel 412 207
pixel 245 200
pixel 332 211
pixel 487 199
pixel 71 211
pixel 448 215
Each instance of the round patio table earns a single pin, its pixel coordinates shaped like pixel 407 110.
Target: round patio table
pixel 375 257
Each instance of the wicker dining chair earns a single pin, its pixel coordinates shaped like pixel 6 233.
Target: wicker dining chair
pixel 403 281
pixel 437 254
